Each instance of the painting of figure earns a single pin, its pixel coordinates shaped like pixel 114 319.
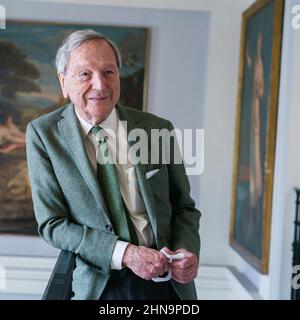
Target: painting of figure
pixel 255 132
pixel 29 88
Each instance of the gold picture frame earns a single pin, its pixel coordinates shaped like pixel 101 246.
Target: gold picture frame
pixel 255 135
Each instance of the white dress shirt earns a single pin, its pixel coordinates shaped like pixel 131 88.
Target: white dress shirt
pixel 129 188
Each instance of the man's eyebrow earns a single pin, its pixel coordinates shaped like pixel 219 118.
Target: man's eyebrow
pixel 77 67
pixel 110 65
pixel 86 66
pixel 105 65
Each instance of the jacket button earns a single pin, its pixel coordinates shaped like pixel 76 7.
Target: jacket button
pixel 108 227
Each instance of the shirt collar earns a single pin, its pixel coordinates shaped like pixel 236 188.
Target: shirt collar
pixel 111 122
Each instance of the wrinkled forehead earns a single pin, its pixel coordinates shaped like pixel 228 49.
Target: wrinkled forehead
pixel 94 52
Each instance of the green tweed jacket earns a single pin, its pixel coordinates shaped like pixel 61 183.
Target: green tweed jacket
pixel 70 209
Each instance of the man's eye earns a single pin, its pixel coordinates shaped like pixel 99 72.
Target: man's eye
pixel 83 75
pixel 109 72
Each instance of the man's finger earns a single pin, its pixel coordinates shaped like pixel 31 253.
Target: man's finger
pixel 184 263
pixel 184 277
pixel 167 250
pixel 188 269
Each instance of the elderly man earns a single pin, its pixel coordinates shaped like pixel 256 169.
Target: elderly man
pixel 116 217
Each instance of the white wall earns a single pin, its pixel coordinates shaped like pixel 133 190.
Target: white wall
pixel 288 166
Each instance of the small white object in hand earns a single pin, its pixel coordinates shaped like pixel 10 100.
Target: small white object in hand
pixel 170 257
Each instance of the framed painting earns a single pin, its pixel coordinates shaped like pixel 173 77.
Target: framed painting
pixel 29 88
pixel 256 131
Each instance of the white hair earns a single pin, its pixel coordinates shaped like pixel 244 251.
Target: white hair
pixel 74 40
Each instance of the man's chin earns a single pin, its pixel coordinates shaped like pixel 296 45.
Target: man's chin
pixel 98 105
pixel 99 113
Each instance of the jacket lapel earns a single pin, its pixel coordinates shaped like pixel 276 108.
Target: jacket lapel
pixel 70 130
pixel 141 169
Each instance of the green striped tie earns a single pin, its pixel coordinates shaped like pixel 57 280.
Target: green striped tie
pixel 108 180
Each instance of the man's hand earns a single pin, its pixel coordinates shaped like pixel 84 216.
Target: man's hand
pixel 145 262
pixel 185 270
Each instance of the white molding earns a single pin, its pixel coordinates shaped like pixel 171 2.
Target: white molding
pixel 26 275
pixel 29 276
pixel 193 5
pixel 219 283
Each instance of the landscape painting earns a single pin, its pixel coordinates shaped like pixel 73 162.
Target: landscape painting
pixel 29 88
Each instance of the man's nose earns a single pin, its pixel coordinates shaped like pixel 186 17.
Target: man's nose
pixel 98 82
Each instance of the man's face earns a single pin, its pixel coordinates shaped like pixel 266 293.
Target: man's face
pixel 92 80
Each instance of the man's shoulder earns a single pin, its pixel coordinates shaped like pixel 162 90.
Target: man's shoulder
pixel 50 118
pixel 145 117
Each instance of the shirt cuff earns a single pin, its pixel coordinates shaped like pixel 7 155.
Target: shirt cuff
pixel 117 257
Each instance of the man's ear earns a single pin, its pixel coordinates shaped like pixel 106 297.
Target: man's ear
pixel 61 78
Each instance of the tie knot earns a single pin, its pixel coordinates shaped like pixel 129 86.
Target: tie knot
pixel 98 132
